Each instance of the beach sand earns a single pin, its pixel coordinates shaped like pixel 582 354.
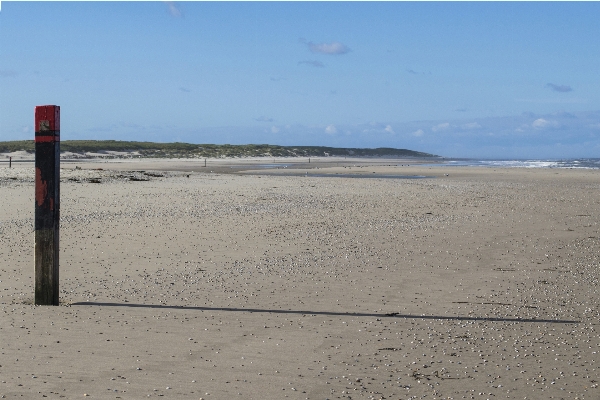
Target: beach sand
pixel 267 283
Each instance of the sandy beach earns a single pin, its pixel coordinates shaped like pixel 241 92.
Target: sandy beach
pixel 334 279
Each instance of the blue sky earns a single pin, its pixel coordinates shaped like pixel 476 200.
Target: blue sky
pixel 489 80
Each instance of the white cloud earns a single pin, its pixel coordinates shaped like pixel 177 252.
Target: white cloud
pixel 471 125
pixel 389 129
pixel 418 132
pixel 331 129
pixel 522 128
pixel 328 48
pixel 274 129
pixel 542 123
pixel 173 9
pixel 441 127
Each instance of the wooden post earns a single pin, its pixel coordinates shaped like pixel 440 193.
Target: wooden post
pixel 9 162
pixel 47 203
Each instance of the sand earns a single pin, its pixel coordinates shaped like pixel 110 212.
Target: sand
pixel 266 283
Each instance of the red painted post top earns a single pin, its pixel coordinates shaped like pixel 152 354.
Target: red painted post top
pixel 47 123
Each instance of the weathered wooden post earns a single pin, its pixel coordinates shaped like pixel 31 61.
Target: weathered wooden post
pixel 9 162
pixel 47 203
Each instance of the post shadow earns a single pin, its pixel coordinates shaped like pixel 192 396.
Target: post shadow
pixel 328 313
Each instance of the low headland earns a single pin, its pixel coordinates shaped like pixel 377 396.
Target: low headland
pixel 82 149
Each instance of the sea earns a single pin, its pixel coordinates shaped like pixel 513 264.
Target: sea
pixel 582 163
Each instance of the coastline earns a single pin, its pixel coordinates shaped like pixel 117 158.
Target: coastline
pixel 116 158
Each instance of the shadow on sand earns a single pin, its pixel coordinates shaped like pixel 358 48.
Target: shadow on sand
pixel 330 313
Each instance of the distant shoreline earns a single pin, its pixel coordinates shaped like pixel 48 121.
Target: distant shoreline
pixel 248 165
pixel 265 163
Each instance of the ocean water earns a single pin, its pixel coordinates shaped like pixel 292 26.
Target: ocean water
pixel 587 163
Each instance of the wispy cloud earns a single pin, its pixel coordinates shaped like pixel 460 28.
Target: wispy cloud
pixel 131 125
pixel 327 48
pixel 173 9
pixel 559 88
pixel 555 100
pixel 524 136
pixel 262 118
pixel 185 90
pixel 564 114
pixel 104 128
pixel 377 128
pixel 471 125
pixel 317 64
pixel 441 127
pixel 412 71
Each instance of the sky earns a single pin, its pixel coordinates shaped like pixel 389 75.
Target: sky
pixel 455 79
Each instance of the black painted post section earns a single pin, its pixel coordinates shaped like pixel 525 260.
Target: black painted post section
pixel 47 203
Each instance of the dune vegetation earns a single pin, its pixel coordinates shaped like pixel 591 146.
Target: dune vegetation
pixel 188 150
